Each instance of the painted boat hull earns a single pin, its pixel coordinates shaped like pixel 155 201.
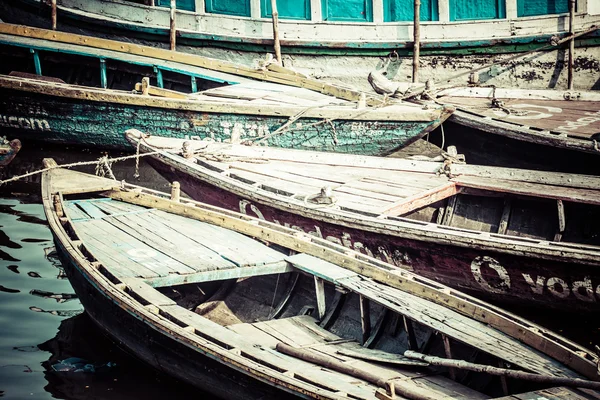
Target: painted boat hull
pixel 101 124
pixel 161 351
pixel 490 274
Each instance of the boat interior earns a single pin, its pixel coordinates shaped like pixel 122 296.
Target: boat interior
pixel 247 295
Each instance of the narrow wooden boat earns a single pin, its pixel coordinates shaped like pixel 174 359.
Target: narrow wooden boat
pixel 344 40
pixel 550 128
pixel 47 99
pixel 525 237
pixel 246 308
pixel 8 150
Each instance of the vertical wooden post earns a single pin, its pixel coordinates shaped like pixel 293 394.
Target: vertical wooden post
pixel 146 86
pixel 173 30
pixel 571 43
pixel 36 62
pixel 365 318
pixel 276 44
pixel 410 332
pixel 103 80
pixel 159 77
pixel 417 41
pixel 194 84
pixel 53 4
pixel 448 351
pixel 320 290
pixel 175 191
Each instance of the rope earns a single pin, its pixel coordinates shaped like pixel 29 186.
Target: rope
pixel 77 164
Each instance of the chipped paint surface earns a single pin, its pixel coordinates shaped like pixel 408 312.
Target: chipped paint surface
pixel 103 124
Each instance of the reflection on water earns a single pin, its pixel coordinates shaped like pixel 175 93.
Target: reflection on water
pixel 42 324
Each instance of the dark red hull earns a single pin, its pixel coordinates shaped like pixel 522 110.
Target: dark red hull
pixel 489 274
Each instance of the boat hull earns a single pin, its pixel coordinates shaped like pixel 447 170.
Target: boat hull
pixel 522 279
pixel 40 117
pixel 162 351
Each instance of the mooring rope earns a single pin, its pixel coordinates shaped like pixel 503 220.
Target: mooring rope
pixel 97 162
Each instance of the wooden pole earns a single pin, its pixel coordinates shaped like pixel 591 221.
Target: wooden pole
pixel 173 30
pixel 336 365
pixel 53 3
pixel 571 43
pixel 175 191
pixel 276 43
pixel 417 41
pixel 510 373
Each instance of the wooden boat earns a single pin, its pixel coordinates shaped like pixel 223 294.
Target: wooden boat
pixel 515 236
pixel 8 150
pixel 349 37
pixel 218 105
pixel 279 313
pixel 550 129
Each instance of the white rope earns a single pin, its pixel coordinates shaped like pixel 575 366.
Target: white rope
pixel 77 164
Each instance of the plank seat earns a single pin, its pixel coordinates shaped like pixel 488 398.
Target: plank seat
pixel 448 322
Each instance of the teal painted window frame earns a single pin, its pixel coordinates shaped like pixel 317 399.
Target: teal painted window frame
pixel 211 9
pixel 500 4
pixel 167 3
pixel 387 12
pixel 368 10
pixel 265 11
pixel 521 10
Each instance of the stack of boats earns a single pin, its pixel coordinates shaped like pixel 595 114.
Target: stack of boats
pixel 300 262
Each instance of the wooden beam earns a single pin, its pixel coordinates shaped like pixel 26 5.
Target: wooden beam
pixel 103 80
pixel 36 62
pixel 416 41
pixel 503 225
pixel 320 294
pixel 422 199
pixel 365 318
pixel 576 195
pixel 449 210
pixel 175 191
pixel 53 6
pixel 571 44
pixel 172 28
pixel 448 352
pixel 276 44
pixel 561 220
pixel 279 267
pixel 410 332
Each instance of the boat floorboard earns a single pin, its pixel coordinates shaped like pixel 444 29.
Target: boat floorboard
pixel 133 241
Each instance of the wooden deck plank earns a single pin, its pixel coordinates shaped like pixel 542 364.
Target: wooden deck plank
pixel 530 189
pixel 130 251
pixel 422 199
pixel 74 212
pixel 170 242
pixel 279 267
pixel 91 209
pixel 233 246
pixel 320 268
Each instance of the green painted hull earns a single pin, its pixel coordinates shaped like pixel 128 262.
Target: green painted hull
pixel 102 125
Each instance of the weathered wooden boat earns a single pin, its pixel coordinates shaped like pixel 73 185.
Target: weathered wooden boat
pixel 516 236
pixel 454 35
pixel 8 150
pixel 550 129
pixel 218 105
pixel 277 312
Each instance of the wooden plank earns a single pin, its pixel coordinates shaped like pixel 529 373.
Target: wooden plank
pixel 233 246
pixel 421 200
pixel 147 292
pixel 234 272
pixel 365 318
pixel 130 251
pixel 503 224
pixel 320 295
pixel 586 196
pixel 74 212
pixel 318 267
pixel 379 356
pixel 160 92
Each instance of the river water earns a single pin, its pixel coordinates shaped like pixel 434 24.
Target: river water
pixel 41 323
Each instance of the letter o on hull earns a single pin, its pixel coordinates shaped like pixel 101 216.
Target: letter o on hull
pixel 503 283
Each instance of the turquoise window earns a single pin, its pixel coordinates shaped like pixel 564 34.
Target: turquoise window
pixel 287 9
pixel 347 10
pixel 461 10
pixel 187 5
pixel 527 8
pixel 230 7
pixel 404 10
